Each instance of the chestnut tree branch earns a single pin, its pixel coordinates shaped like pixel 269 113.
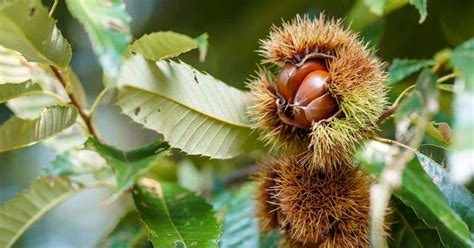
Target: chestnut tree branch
pixel 391 110
pixel 84 113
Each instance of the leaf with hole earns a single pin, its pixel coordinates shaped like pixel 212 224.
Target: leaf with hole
pixel 106 22
pixel 128 165
pixel 27 28
pixel 10 91
pixel 164 45
pixel 16 133
pixel 194 111
pixel 24 210
pixel 174 216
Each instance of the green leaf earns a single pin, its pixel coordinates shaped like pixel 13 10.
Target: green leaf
pixel 12 67
pixel 79 163
pixel 163 45
pixel 418 109
pixel 240 227
pixel 459 198
pixel 375 6
pixel 27 28
pixel 128 233
pixel 408 231
pixel 174 216
pixel 194 111
pixel 418 192
pixel 13 90
pixel 402 68
pixel 429 204
pixel 434 152
pixel 421 6
pixel 16 133
pixel 203 43
pixel 15 69
pixel 460 160
pixel 440 131
pixel 24 210
pixel 128 165
pixel 106 22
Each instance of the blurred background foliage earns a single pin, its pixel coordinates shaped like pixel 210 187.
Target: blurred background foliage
pixel 234 28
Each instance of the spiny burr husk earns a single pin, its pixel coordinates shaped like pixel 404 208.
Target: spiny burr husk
pixel 356 81
pixel 314 208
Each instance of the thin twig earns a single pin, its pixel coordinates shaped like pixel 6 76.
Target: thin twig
pixel 82 112
pixel 392 142
pixel 391 110
pixel 55 5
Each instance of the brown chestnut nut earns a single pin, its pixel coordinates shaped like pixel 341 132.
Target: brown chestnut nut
pixel 292 76
pixel 304 92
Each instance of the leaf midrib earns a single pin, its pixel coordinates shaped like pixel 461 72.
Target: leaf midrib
pixel 40 213
pixel 168 214
pixel 232 123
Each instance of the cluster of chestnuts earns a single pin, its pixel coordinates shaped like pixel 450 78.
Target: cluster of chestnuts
pixel 315 111
pixel 302 94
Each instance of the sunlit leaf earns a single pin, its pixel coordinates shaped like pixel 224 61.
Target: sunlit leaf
pixel 174 216
pixel 128 165
pixel 30 106
pixel 446 88
pixel 461 159
pixel 440 131
pixel 106 22
pixel 418 191
pixel 421 6
pixel 16 133
pixel 163 45
pixel 24 210
pixel 79 163
pixel 72 138
pixel 15 69
pixel 194 111
pixel 27 28
pixel 402 68
pixel 9 91
pixel 128 233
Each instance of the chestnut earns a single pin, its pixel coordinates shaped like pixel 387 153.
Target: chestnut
pixel 303 90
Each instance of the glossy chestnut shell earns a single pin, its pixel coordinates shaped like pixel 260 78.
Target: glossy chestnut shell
pixel 303 96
